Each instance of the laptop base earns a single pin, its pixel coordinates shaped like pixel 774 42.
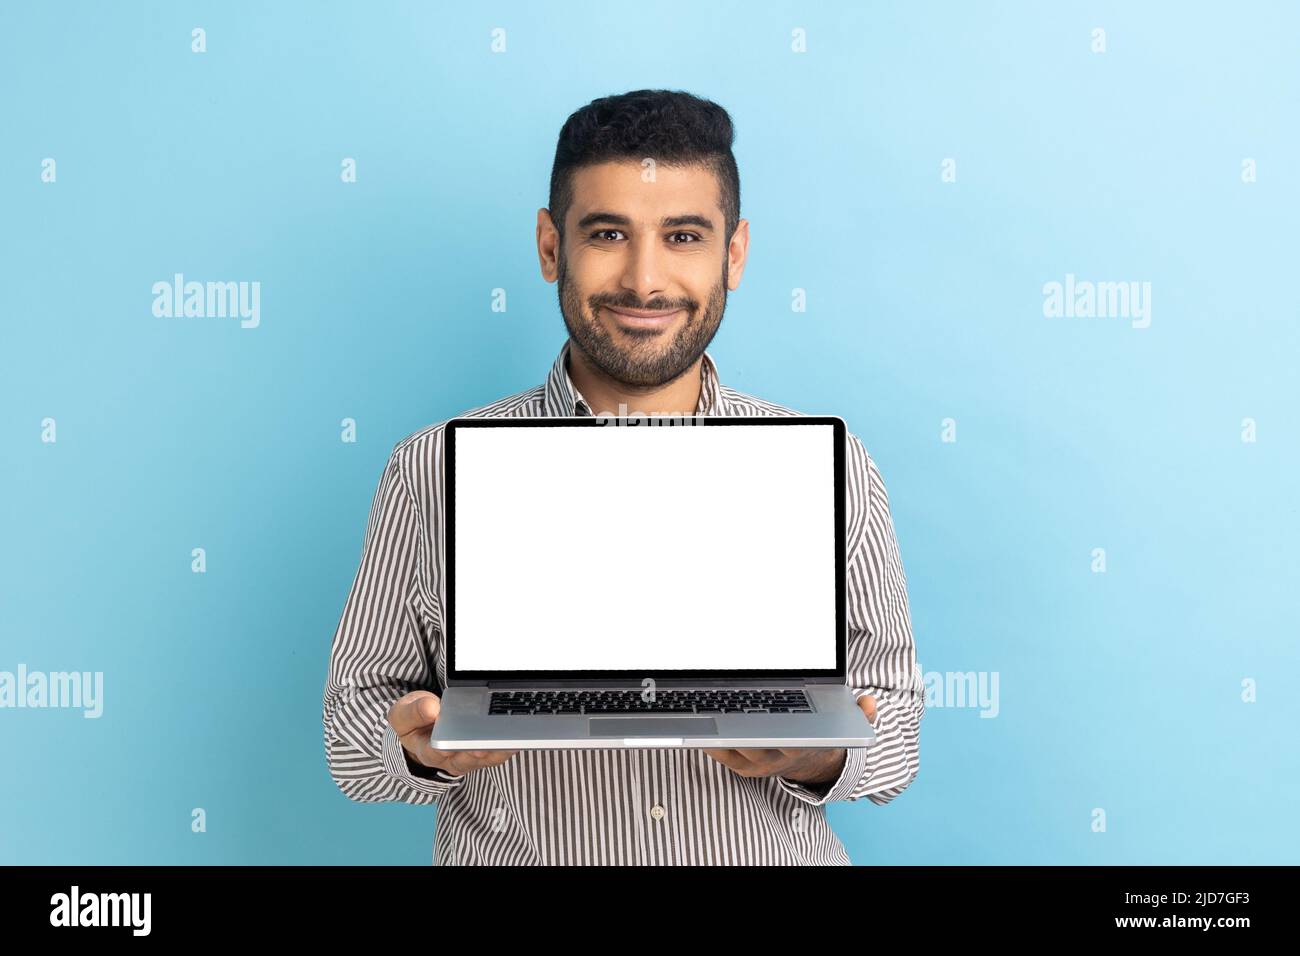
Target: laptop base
pixel 836 721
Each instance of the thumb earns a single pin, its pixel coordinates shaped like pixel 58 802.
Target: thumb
pixel 415 711
pixel 427 709
pixel 868 705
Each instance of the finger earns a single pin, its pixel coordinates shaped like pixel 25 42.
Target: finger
pixel 417 710
pixel 457 762
pixel 418 745
pixel 761 758
pixel 731 759
pixel 802 753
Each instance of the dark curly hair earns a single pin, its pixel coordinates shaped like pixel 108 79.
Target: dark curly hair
pixel 669 126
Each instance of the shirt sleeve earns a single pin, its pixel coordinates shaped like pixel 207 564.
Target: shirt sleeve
pixel 881 653
pixel 381 651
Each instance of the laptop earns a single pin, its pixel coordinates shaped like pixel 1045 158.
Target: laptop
pixel 636 581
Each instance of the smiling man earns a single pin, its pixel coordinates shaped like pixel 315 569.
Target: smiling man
pixel 644 237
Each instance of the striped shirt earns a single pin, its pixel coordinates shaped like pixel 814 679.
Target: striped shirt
pixel 638 806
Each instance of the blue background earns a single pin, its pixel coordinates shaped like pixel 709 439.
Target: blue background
pixel 1119 690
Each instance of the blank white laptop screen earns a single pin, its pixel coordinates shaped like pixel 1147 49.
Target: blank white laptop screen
pixel 645 548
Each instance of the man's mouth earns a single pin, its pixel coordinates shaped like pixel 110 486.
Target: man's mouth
pixel 642 319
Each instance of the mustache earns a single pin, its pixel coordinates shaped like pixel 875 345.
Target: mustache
pixel 654 305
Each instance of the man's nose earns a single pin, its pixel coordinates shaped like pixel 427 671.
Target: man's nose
pixel 645 272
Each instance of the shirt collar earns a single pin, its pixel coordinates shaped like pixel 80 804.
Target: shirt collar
pixel 561 398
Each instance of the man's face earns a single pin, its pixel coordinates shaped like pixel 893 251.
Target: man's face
pixel 654 248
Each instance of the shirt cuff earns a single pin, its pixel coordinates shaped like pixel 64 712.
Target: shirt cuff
pixel 395 765
pixel 855 765
pixel 855 768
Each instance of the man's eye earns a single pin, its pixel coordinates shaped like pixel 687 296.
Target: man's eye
pixel 689 237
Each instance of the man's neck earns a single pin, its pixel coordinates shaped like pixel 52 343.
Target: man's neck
pixel 604 395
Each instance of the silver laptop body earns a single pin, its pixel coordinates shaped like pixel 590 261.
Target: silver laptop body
pixel 619 582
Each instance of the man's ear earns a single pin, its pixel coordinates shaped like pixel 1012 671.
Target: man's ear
pixel 548 246
pixel 737 252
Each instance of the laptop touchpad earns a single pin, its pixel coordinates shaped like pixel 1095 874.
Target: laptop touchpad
pixel 650 726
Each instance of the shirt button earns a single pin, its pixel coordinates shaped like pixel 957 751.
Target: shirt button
pixel 657 812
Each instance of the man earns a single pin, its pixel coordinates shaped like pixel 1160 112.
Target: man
pixel 644 237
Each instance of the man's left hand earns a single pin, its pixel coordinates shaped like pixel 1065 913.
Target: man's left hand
pixel 798 766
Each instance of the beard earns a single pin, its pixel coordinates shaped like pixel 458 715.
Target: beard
pixel 647 363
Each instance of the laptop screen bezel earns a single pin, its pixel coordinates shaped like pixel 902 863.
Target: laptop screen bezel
pixel 617 677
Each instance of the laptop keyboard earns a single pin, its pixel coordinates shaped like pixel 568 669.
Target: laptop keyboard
pixel 703 701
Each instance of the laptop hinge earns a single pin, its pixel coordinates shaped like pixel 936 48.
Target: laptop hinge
pixel 659 682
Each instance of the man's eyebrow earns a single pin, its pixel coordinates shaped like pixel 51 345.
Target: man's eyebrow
pixel 668 222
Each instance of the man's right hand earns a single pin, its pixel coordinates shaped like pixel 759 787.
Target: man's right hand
pixel 413 717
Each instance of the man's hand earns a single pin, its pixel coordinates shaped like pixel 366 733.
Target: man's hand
pixel 413 717
pixel 799 766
